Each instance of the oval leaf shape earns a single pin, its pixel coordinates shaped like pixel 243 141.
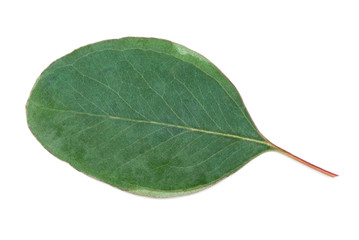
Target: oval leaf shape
pixel 148 116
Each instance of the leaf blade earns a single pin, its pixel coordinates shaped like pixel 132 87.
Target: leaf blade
pixel 109 80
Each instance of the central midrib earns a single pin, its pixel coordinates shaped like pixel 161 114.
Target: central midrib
pixel 157 123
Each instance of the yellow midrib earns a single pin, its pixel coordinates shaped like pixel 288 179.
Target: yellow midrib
pixel 158 123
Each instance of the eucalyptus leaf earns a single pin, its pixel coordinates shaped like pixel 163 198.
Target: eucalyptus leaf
pixel 148 116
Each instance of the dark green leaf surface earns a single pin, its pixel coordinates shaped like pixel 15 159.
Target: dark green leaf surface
pixel 145 115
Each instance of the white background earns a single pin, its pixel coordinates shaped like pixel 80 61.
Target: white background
pixel 296 65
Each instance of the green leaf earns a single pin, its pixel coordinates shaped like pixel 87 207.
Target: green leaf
pixel 145 115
